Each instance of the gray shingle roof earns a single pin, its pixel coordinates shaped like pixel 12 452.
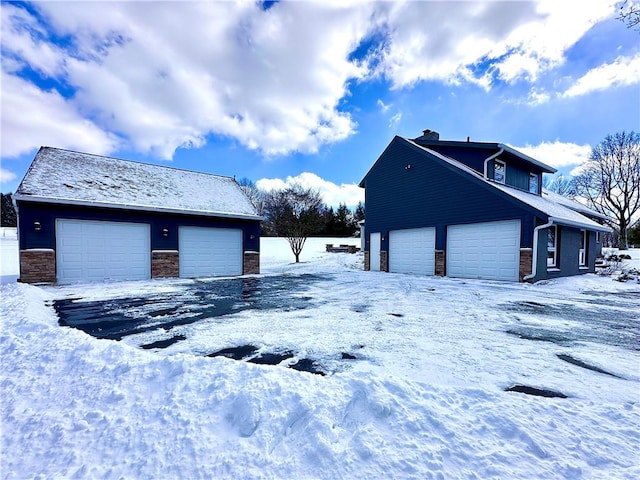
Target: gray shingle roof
pixel 74 178
pixel 560 212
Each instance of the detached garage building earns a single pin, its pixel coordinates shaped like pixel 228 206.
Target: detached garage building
pixel 84 218
pixel 472 210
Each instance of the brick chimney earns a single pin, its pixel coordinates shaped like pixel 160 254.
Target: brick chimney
pixel 428 136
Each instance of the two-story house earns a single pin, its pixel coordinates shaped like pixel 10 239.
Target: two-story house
pixel 472 210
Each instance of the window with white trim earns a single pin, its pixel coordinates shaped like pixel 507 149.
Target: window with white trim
pixel 499 171
pixel 552 246
pixel 533 183
pixel 583 248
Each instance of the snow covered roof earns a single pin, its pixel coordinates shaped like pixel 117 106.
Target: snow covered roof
pixel 557 212
pixel 74 178
pixel 572 204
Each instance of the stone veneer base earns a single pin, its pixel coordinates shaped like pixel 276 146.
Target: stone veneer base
pixel 37 266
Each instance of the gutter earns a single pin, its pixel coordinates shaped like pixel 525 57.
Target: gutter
pixel 571 223
pixel 534 260
pixel 488 159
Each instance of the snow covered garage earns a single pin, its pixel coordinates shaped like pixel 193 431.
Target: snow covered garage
pixel 86 218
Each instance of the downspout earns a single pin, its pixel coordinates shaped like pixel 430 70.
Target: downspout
pixel 534 260
pixel 488 159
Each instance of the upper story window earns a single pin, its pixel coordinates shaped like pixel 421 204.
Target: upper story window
pixel 533 183
pixel 552 247
pixel 499 171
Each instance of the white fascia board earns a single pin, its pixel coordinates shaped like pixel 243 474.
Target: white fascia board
pixel 142 208
pixel 585 226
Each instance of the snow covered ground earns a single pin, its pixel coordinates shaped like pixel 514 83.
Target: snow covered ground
pixel 9 264
pixel 424 397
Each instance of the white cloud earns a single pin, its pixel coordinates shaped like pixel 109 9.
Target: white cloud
pixel 477 41
pixel 558 154
pixel 384 107
pixel 332 194
pixel 537 97
pixel 272 80
pixel 168 76
pixel 393 122
pixel 32 118
pixel 621 72
pixel 6 175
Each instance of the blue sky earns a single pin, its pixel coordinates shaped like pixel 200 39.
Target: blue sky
pixel 310 91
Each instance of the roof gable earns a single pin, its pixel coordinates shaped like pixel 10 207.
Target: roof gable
pixel 67 177
pixel 556 211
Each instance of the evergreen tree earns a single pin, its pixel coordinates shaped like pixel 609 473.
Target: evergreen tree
pixel 9 217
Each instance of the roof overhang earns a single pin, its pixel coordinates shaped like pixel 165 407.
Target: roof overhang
pixel 142 208
pixel 585 226
pixel 543 166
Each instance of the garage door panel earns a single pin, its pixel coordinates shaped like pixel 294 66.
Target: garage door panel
pixel 488 250
pixel 210 251
pixel 412 251
pixel 88 250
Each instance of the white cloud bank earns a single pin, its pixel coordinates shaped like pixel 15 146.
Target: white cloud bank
pixel 558 154
pixel 155 77
pixel 623 71
pixel 32 118
pixel 332 194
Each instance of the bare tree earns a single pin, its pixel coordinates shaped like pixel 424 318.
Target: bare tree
pixel 630 14
pixel 610 181
pixel 294 213
pixel 256 196
pixel 561 185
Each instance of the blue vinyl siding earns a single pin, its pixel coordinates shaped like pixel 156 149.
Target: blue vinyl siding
pixel 568 247
pixel 474 157
pixel 432 193
pixel 47 213
pixel 471 157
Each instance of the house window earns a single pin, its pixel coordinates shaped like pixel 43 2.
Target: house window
pixel 583 248
pixel 499 169
pixel 533 183
pixel 597 237
pixel 552 246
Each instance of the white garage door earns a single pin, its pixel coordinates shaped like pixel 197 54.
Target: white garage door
pixel 210 252
pixel 484 250
pixel 92 251
pixel 412 251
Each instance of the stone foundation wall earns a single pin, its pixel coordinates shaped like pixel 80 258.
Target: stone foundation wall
pixel 384 261
pixel 367 265
pixel 251 263
pixel 526 259
pixel 441 267
pixel 37 266
pixel 165 263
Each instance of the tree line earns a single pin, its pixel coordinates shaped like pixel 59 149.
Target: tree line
pixel 305 203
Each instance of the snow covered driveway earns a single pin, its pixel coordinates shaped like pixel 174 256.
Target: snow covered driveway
pixel 424 396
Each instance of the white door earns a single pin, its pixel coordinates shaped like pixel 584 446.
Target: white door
pixel 374 252
pixel 210 252
pixel 412 251
pixel 93 251
pixel 488 250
